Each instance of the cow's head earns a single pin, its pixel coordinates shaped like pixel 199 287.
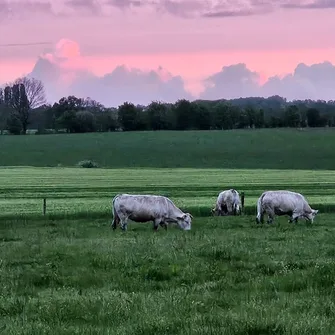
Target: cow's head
pixel 310 216
pixel 185 221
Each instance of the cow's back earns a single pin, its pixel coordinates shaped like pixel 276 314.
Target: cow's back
pixel 142 207
pixel 285 200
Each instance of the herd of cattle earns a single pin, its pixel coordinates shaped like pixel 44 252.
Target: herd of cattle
pixel 162 211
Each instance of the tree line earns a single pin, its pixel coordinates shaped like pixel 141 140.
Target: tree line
pixel 23 106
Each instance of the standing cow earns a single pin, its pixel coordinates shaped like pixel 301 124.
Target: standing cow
pixel 144 208
pixel 228 202
pixel 284 203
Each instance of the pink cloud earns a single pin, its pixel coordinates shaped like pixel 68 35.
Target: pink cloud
pixel 65 70
pixel 182 8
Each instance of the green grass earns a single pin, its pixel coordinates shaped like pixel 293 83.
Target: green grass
pixel 225 276
pixel 250 149
pixel 69 273
pixel 76 192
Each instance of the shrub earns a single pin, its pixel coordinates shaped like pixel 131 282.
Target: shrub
pixel 87 163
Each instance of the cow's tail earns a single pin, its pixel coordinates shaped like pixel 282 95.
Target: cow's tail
pixel 116 218
pixel 259 217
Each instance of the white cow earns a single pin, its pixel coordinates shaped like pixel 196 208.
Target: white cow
pixel 284 203
pixel 144 208
pixel 227 202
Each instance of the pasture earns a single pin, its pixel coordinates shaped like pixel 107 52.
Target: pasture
pixel 87 193
pixel 68 273
pixel 232 149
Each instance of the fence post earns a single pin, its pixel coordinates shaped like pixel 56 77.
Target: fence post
pixel 44 206
pixel 242 201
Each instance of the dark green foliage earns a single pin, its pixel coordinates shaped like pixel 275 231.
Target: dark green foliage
pixel 129 117
pixel 105 120
pixel 68 120
pixel 20 98
pixel 158 116
pixel 184 112
pixel 14 124
pixel 292 118
pixel 77 115
pixel 16 99
pixel 87 163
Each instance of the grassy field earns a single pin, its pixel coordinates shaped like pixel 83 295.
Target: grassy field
pixel 69 273
pixel 225 276
pixel 237 149
pixel 87 193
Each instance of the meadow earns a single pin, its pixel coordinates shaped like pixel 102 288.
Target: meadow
pixel 68 273
pixel 232 149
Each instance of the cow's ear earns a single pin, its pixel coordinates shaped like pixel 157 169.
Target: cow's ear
pixel 316 211
pixel 191 216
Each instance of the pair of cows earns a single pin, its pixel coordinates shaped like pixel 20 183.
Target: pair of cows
pixel 162 211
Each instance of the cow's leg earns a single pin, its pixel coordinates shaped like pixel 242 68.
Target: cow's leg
pixel 163 225
pixel 124 223
pixel 294 217
pixel 157 222
pixel 271 216
pixel 115 222
pixel 229 209
pixel 223 211
pixel 261 218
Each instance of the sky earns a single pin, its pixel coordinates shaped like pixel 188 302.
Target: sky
pixel 143 50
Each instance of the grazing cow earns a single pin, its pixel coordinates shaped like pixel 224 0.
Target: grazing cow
pixel 284 203
pixel 144 208
pixel 228 202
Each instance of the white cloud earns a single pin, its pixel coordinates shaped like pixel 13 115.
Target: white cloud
pixel 231 82
pixel 63 73
pixel 315 82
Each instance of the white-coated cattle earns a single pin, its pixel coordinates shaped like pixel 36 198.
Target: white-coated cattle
pixel 143 208
pixel 228 202
pixel 284 203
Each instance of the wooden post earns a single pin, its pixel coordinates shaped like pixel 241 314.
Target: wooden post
pixel 242 200
pixel 44 206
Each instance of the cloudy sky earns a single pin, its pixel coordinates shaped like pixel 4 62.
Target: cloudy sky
pixel 143 50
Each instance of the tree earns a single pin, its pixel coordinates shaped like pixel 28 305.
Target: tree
pixel 35 91
pixel 85 122
pixel 157 114
pixel 129 116
pixel 185 114
pixel 3 111
pixel 313 117
pixel 259 120
pixel 16 99
pixel 106 120
pixel 292 116
pixel 202 117
pixel 14 124
pixel 23 95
